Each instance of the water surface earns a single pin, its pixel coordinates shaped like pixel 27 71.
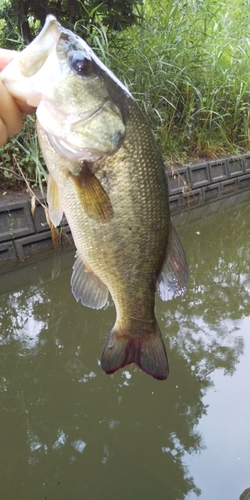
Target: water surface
pixel 70 432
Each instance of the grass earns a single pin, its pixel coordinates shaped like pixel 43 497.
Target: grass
pixel 188 66
pixel 21 157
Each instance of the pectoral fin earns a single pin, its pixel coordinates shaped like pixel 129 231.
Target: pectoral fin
pixel 94 198
pixel 87 287
pixel 173 278
pixel 54 202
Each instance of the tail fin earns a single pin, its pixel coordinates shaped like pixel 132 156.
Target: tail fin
pixel 146 351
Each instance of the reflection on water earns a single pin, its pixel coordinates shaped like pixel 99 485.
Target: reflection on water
pixel 70 432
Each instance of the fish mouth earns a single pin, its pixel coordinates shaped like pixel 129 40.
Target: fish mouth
pixel 51 27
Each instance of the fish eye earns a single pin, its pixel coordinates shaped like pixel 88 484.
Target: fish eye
pixel 79 63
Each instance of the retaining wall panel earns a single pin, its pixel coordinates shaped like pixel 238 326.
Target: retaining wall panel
pixel 218 170
pixel 175 202
pixel 191 198
pixel 15 221
pixel 199 175
pixel 7 252
pixel 229 186
pixel 236 166
pixel 177 182
pixel 244 181
pixel 247 162
pixel 40 221
pixel 34 243
pixel 212 191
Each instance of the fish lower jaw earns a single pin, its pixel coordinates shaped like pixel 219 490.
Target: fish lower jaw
pixel 72 152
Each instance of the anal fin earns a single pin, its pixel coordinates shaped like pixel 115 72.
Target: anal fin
pixel 87 287
pixel 173 278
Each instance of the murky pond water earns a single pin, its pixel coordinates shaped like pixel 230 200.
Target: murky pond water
pixel 70 432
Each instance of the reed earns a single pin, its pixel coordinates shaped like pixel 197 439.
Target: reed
pixel 188 66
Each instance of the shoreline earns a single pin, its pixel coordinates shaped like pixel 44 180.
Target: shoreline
pixel 23 235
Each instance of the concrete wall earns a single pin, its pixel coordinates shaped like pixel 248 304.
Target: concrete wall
pixel 23 235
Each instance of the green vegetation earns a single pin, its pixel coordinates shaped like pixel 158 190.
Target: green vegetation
pixel 189 67
pixel 22 19
pixel 187 63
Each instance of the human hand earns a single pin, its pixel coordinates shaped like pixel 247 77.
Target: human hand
pixel 12 110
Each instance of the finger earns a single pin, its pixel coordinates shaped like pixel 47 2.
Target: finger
pixel 24 107
pixel 6 56
pixel 3 133
pixel 10 113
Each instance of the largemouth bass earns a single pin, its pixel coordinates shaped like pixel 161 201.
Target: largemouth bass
pixel 107 175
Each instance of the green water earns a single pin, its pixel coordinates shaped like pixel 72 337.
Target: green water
pixel 70 432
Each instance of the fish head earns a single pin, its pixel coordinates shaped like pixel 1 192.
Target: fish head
pixel 61 75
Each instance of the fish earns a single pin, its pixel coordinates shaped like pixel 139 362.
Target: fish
pixel 107 175
pixel 245 495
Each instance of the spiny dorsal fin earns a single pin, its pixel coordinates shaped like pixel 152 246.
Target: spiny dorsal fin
pixel 173 278
pixel 54 202
pixel 94 198
pixel 87 287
